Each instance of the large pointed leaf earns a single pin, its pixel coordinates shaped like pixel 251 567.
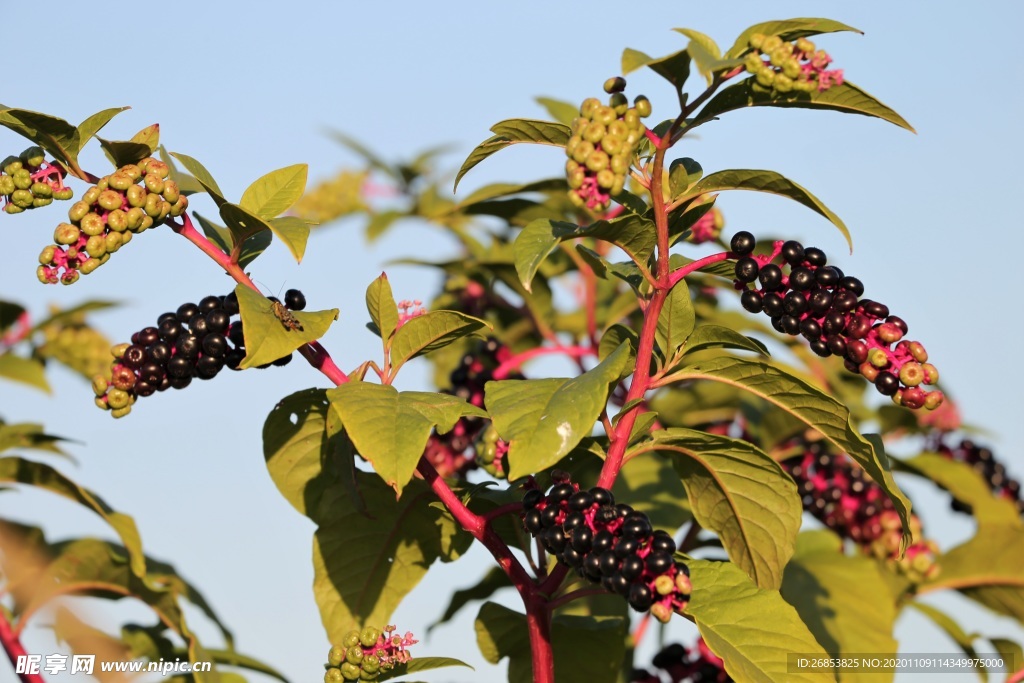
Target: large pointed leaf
pixel 809 405
pixel 993 558
pixel 494 580
pixel 267 336
pixel 740 493
pixel 15 470
pixel 202 176
pixel 68 314
pixel 560 111
pixel 788 30
pixel 390 429
pixel 544 419
pixel 510 132
pixel 956 633
pixel 428 332
pixel 380 303
pixel 717 336
pixel 752 629
pixel 585 648
pixel 676 321
pixel 93 124
pixel 819 582
pixel 417 664
pixel 966 486
pixel 675 68
pixel 770 182
pixel 495 190
pixel 293 232
pixel 25 370
pixel 55 135
pixel 683 174
pixel 649 483
pixel 533 244
pixel 846 98
pixel 28 435
pixel 365 565
pixel 273 194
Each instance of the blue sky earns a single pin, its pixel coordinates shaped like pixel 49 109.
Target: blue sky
pixel 934 216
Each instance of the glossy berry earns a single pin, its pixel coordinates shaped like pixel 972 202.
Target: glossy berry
pixel 743 243
pixel 747 269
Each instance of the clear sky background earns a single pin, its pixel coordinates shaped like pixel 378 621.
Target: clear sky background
pixel 247 88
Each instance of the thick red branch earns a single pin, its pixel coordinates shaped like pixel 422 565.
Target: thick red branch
pixel 14 649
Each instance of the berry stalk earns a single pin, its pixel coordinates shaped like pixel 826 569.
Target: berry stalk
pixel 14 649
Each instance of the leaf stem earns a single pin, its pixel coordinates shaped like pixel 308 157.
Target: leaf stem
pixel 575 595
pixel 14 649
pixel 679 273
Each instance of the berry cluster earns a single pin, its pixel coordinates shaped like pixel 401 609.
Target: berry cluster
pixel 132 199
pixel 449 453
pixel 491 452
pixel 984 463
pixel 709 226
pixel 697 664
pixel 840 496
pixel 196 341
pixel 365 655
pixel 28 182
pixel 795 66
pixel 72 342
pixel 613 545
pixel 821 303
pixel 602 144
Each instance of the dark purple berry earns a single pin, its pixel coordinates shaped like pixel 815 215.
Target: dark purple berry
pixel 791 324
pixel 898 322
pixel 549 515
pixel 208 367
pixel 148 335
pixel 574 520
pixel 606 514
pixel 844 301
pixel 887 383
pixel 603 542
pixel 217 321
pixel 186 311
pixel 856 351
pixel 638 528
pixel 836 345
pixel 640 597
pixel 215 345
pixel 602 496
pixel 810 329
pixel 187 346
pixel 820 348
pixel 236 335
pixel 658 563
pixel 873 308
pixel 294 299
pixel 197 325
pixel 531 521
pixel 170 330
pixel 560 493
pixel 820 301
pixel 626 547
pixel 662 542
pixel 164 317
pixel 609 563
pixel 801 279
pixel 632 567
pixel 179 367
pixel 793 252
pixel 794 303
pixel 746 269
pixel 151 373
pixel 553 539
pixel 751 301
pixel 231 303
pixel 530 499
pixel 777 324
pixel 827 277
pixel 770 277
pixel 583 539
pixel 158 353
pixel 852 285
pixel 581 500
pixel 209 303
pixel 143 389
pixel 134 356
pixel 743 243
pixel 180 382
pixel 773 304
pixel 816 257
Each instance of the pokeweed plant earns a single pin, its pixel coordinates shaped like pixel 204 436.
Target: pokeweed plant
pixel 668 477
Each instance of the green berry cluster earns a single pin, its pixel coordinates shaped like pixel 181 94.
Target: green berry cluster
pixel 364 655
pixel 132 199
pixel 75 344
pixel 492 454
pixel 600 150
pixel 791 67
pixel 28 182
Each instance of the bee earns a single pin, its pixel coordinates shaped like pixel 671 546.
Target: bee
pixel 288 321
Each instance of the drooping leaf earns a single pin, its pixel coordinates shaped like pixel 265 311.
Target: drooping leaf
pixel 649 483
pixel 83 638
pixel 55 135
pixel 390 429
pixel 740 493
pixel 707 63
pixel 187 184
pixel 380 303
pixel 770 182
pixel 846 98
pixel 364 565
pixel 274 193
pixel 293 232
pixel 67 314
pixel 510 132
pixel 533 244
pixel 676 321
pixel 25 370
pixel 988 568
pixel 242 661
pixel 14 470
pixel 809 405
pixel 966 486
pixel 964 640
pixel 417 664
pixel 544 419
pixel 819 581
pixel 704 40
pixel 496 190
pixel 28 435
pixel 428 332
pixel 560 111
pixel 143 144
pixel 717 336
pixel 202 176
pixel 585 648
pixel 93 124
pixel 788 30
pixel 752 629
pixel 675 68
pixel 268 337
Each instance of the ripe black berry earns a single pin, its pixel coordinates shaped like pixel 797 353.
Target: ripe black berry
pixel 773 304
pixel 231 303
pixel 640 597
pixel 560 493
pixel 532 521
pixel 208 367
pixel 197 325
pixel 602 496
pixel 820 301
pixel 170 329
pixel 581 500
pixel 844 301
pixel 791 324
pixel 186 311
pixel 217 321
pixel 662 541
pixel 801 279
pixel 603 542
pixel 158 352
pixel 638 528
pixel 609 563
pixel 294 299
pixel 794 303
pixel 583 539
pixel 554 539
pixel 209 303
pixel 215 345
pixel 814 256
pixel 549 515
pixel 148 335
pixel 793 252
pixel 770 277
pixel 530 500
pixel 134 356
pixel 827 277
pixel 746 269
pixel 187 346
pixel 632 567
pixel 626 547
pixel 852 285
pixel 810 328
pixel 820 348
pixel 875 309
pixel 887 383
pixel 743 243
pixel 659 562
pixel 179 367
pixel 751 301
pixel 573 521
pixel 151 373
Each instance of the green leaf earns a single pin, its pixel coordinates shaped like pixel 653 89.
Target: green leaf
pixel 122 152
pixel 93 124
pixel 417 664
pixel 9 314
pixel 56 136
pixel 241 223
pixel 993 558
pixel 585 648
pixel 752 629
pixel 707 63
pixel 297 449
pixel 740 493
pixel 1010 651
pixel 495 190
pixel 683 174
pixel 202 176
pixel 25 370
pixel 390 429
pixel 513 131
pixel 217 234
pixel 788 30
pixel 294 232
pixel 560 111
pixel 15 470
pixel 534 243
pixel 770 182
pixel 149 136
pixel 67 314
pixel 380 303
pixel 242 661
pixel 809 405
pixel 965 485
pixel 28 435
pixel 364 565
pixel 650 484
pixel 846 98
pixel 371 159
pixel 818 581
pixel 675 68
pixel 186 183
pixel 428 332
pixel 253 247
pixel 717 336
pixel 676 321
pixel 266 336
pixel 952 629
pixel 702 39
pixel 494 580
pixel 544 419
pixel 273 194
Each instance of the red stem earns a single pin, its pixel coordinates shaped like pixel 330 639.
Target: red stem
pixel 513 363
pixel 679 273
pixel 14 649
pixel 538 620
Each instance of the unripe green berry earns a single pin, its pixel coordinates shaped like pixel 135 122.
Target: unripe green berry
pixel 597 161
pixel 931 373
pixel 69 277
pixel 120 181
pixel 100 385
pixel 154 183
pixel 606 179
pixel 783 83
pixel 618 129
pixel 589 106
pixel 41 201
pixel 752 62
pixel 631 119
pixel 643 106
pixel 369 636
pixel 165 208
pixel 136 196
pixel 90 265
pixel 889 333
pixel 117 398
pixel 933 400
pixel 41 189
pixel 110 199
pixel 65 233
pixel 579 124
pixel 117 220
pixel 46 256
pixel 78 211
pixel 33 156
pixel 615 84
pixel 661 612
pixel 577 200
pixel 22 198
pixel 147 223
pixel 619 103
pixel 333 675
pixel 43 275
pixel 594 132
pixel 134 218
pixel 878 358
pixel 582 151
pixel 350 672
pixel 112 241
pixel 575 178
pixel 63 194
pixel 179 206
pixel 101 403
pixel 770 43
pixel 13 209
pixel 571 145
pixel 158 168
pixel 612 145
pixel 354 655
pixel 132 171
pixel 917 350
pixel 620 164
pixel 766 77
pixel 371 663
pixel 126 237
pixel 152 207
pixel 6 185
pixel 120 412
pixel 351 639
pixel 804 45
pixel 791 67
pixel 92 224
pixel 104 259
pixel 118 350
pixel 683 584
pixel 664 585
pixel 757 40
pixel 618 186
pixel 336 656
pixel 605 115
pixel 911 374
pixel 91 195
